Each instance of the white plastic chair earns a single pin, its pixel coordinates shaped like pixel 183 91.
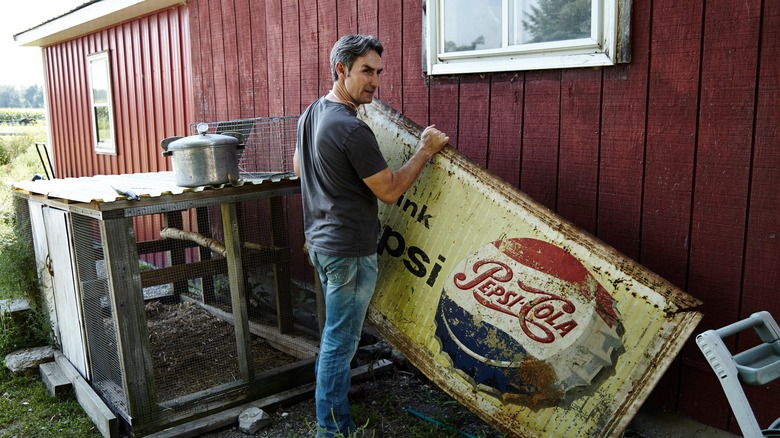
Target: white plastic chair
pixel 758 365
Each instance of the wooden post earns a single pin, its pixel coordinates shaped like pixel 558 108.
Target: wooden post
pixel 204 228
pixel 174 219
pixel 127 302
pixel 282 293
pixel 237 290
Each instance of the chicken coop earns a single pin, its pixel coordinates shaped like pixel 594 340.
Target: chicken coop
pixel 175 302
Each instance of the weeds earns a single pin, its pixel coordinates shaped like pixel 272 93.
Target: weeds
pixel 26 408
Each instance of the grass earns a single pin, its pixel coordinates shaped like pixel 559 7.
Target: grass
pixel 26 408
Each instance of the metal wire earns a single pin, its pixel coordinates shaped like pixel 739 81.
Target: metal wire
pixel 269 142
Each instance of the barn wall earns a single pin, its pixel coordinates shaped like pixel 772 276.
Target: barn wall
pixel 672 159
pixel 150 68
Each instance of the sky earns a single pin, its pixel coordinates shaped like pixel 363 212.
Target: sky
pixel 23 66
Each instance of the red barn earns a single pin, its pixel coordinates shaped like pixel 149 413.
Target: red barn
pixel 664 146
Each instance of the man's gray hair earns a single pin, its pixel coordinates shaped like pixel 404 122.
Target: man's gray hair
pixel 349 47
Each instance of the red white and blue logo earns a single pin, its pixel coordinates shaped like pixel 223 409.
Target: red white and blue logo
pixel 525 321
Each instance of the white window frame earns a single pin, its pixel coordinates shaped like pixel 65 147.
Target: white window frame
pixel 101 146
pixel 596 51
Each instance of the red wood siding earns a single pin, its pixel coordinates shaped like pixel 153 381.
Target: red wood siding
pixel 673 159
pixel 150 69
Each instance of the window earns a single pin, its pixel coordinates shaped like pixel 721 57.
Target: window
pixel 467 36
pixel 100 98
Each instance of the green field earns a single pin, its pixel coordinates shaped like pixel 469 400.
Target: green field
pixel 17 130
pixel 12 116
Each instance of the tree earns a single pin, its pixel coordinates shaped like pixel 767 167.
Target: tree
pixel 21 97
pixel 450 46
pixel 33 96
pixel 557 20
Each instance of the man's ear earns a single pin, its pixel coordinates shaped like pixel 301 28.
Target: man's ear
pixel 341 69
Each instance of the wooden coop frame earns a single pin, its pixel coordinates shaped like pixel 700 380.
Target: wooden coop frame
pixel 97 198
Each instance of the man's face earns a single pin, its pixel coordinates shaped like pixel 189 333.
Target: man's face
pixel 362 81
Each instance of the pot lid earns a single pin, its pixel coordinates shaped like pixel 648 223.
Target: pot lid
pixel 202 140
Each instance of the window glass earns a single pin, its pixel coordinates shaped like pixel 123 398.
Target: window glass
pixel 100 80
pixel 470 25
pixel 101 100
pixel 103 124
pixel 550 20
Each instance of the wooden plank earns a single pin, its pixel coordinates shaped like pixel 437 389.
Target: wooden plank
pixel 443 99
pixel 484 259
pixel 722 176
pixel 238 299
pixel 275 51
pixel 415 93
pixel 67 295
pixel 294 345
pixel 389 33
pixel 505 144
pixel 206 102
pixel 310 54
pixel 93 405
pixel 328 35
pixel 218 59
pixel 294 395
pixel 258 66
pixel 204 228
pixel 539 172
pixel 578 169
pixel 671 129
pixel 762 247
pixel 231 57
pixel 473 116
pixel 623 146
pixel 346 17
pixel 55 380
pixel 368 17
pixel 291 56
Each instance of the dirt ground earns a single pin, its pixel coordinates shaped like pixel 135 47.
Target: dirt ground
pixel 192 350
pixel 191 345
pixel 381 403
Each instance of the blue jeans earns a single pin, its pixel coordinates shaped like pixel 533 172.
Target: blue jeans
pixel 348 284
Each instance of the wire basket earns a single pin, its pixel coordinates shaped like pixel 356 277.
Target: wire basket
pixel 269 142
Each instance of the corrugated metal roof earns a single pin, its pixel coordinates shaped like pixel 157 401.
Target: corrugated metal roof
pixel 111 188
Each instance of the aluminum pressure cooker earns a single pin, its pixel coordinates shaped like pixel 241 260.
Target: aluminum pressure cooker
pixel 204 159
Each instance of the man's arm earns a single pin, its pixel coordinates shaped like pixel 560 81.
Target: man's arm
pixel 389 186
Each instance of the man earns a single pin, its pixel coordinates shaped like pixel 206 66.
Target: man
pixel 342 175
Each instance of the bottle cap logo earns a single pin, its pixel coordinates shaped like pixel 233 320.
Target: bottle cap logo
pixel 526 321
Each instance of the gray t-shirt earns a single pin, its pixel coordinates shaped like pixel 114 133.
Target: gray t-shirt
pixel 336 151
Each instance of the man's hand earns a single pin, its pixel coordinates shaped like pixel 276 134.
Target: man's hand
pixel 389 186
pixel 432 141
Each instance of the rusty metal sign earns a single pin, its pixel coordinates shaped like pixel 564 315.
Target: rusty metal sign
pixel 534 325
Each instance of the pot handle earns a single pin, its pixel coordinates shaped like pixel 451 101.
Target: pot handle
pixel 237 135
pixel 164 144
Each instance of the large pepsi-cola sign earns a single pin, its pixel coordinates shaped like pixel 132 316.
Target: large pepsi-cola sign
pixel 525 320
